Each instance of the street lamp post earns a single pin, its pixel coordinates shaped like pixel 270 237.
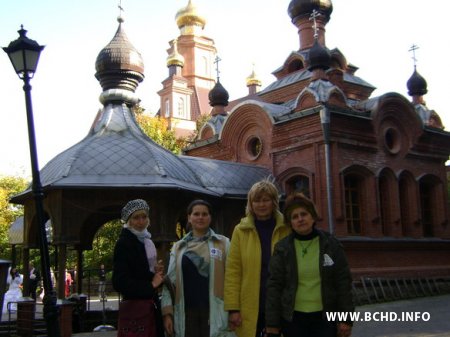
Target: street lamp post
pixel 24 55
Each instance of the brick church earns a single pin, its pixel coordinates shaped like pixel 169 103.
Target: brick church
pixel 375 166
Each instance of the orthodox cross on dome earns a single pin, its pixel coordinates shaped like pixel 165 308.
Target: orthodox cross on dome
pixel 216 61
pixel 413 50
pixel 315 14
pixel 121 10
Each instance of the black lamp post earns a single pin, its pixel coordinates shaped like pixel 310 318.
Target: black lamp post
pixel 24 55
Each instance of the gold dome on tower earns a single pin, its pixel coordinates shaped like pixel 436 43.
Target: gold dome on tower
pixel 175 58
pixel 253 79
pixel 189 16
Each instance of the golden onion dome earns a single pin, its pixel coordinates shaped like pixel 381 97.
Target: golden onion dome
pixel 252 79
pixel 175 58
pixel 189 16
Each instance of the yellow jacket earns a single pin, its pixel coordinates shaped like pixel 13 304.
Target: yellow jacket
pixel 243 268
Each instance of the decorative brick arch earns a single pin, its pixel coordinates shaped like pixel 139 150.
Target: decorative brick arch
pixel 288 175
pixel 247 132
pixel 207 131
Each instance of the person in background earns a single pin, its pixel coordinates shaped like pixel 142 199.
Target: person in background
pixel 247 269
pixel 136 272
pixel 102 283
pixel 35 278
pixel 14 293
pixel 68 284
pixel 197 269
pixel 309 276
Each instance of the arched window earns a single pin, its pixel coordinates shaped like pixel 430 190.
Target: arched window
pixel 431 197
pixel 181 108
pixel 167 109
pixel 298 184
pixel 353 204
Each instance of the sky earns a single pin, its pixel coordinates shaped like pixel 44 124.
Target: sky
pixel 373 35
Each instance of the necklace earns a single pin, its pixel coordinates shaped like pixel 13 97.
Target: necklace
pixel 305 249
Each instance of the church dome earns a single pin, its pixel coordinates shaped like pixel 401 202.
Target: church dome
pixel 253 79
pixel 218 95
pixel 417 86
pixel 119 65
pixel 189 16
pixel 305 8
pixel 175 58
pixel 319 57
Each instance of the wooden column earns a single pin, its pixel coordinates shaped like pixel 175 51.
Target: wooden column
pixel 79 274
pixel 62 256
pixel 26 271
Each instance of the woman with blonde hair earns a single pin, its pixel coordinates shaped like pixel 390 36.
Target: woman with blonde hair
pixel 251 246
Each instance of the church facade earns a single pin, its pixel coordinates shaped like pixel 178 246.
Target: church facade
pixel 375 166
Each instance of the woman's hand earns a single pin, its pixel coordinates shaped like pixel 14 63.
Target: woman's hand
pixel 159 266
pixel 168 324
pixel 158 279
pixel 344 330
pixel 234 320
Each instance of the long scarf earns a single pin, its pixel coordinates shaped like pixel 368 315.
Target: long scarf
pixel 198 252
pixel 144 236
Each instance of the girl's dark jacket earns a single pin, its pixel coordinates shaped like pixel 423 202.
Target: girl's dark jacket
pixel 336 281
pixel 131 274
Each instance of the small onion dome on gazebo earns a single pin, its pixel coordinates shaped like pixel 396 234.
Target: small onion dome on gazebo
pixel 189 16
pixel 305 8
pixel 218 95
pixel 175 58
pixel 319 57
pixel 119 65
pixel 417 86
pixel 252 79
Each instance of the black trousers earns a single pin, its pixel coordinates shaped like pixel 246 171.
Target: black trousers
pixel 309 325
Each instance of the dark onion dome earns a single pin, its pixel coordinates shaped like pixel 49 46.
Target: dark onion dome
pixel 417 86
pixel 218 95
pixel 319 57
pixel 119 65
pixel 305 8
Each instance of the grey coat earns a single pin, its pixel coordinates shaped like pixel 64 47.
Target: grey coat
pixel 283 279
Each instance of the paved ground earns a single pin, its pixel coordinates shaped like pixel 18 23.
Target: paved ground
pixel 438 325
pixel 436 310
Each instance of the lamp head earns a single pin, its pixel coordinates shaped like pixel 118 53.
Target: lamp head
pixel 24 54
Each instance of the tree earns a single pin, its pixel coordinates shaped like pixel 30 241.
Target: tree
pixel 103 245
pixel 9 186
pixel 158 130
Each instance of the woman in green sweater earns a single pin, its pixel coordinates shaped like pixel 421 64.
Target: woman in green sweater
pixel 309 276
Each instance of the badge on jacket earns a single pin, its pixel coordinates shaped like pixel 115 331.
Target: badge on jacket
pixel 327 260
pixel 216 253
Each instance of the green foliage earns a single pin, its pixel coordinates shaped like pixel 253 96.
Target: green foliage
pixel 157 129
pixel 9 186
pixel 103 246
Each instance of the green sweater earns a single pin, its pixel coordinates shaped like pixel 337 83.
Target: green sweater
pixel 308 297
